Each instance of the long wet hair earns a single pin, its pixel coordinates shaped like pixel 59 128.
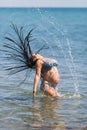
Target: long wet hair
pixel 19 49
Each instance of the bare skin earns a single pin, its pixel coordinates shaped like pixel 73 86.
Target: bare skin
pixel 51 76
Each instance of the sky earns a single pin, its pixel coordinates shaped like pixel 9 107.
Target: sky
pixel 43 3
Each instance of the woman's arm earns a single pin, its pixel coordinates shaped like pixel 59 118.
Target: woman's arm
pixel 37 76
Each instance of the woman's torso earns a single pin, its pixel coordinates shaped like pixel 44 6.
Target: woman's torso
pixel 49 71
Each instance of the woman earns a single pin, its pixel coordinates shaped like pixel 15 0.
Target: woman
pixel 18 49
pixel 46 68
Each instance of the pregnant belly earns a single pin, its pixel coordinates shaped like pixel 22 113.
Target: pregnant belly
pixel 51 76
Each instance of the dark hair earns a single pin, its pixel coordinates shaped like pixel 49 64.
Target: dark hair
pixel 19 50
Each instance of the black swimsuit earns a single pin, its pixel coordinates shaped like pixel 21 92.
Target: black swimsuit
pixel 47 66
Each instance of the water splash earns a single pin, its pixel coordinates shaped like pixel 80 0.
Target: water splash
pixel 72 66
pixel 58 44
pixel 73 72
pixel 69 95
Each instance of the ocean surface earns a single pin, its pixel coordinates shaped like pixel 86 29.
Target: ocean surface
pixel 64 31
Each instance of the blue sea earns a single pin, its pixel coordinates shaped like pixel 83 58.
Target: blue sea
pixel 64 31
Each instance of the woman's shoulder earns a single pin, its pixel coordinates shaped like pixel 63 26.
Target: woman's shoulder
pixel 39 62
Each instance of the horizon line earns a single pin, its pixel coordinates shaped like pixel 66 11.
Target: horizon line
pixel 42 7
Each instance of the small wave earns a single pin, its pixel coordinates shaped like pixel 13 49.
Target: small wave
pixel 72 96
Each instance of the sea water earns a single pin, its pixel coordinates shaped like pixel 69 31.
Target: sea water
pixel 64 31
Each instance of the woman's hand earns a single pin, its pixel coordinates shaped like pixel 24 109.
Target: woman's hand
pixel 34 93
